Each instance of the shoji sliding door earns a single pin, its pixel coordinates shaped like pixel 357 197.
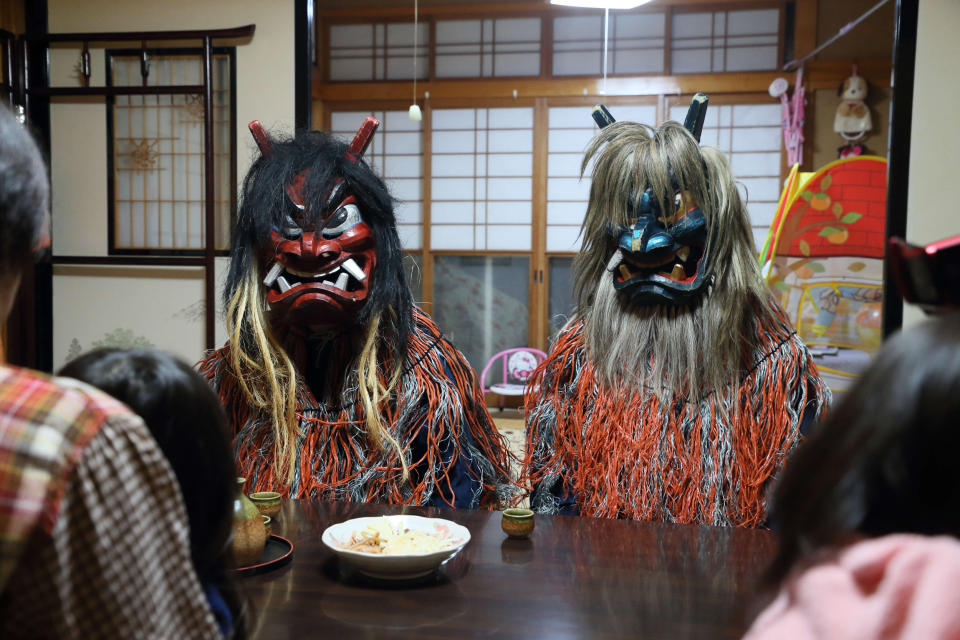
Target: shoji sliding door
pixel 481 226
pixel 570 130
pixel 749 134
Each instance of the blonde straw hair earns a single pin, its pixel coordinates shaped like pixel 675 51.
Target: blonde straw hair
pixel 270 383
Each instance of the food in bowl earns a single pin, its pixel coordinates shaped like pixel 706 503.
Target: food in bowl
pixel 393 547
pixel 393 537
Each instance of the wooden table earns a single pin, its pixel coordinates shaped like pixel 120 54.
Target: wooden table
pixel 574 578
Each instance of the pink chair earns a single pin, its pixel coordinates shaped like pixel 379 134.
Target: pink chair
pixel 517 366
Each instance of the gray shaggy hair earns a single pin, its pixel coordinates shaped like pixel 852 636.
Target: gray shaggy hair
pixel 699 348
pixel 24 194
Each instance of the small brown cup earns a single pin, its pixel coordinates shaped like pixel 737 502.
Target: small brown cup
pixel 266 524
pixel 268 502
pixel 517 523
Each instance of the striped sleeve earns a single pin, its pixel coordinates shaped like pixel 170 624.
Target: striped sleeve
pixel 117 561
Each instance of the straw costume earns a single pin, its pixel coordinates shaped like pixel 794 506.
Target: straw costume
pixel 336 385
pixel 679 387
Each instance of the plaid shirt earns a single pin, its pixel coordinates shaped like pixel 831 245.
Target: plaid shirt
pixel 94 539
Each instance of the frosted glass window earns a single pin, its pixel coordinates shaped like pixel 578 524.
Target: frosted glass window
pixel 744 40
pixel 413 269
pixel 635 44
pixel 396 155
pixel 481 182
pixel 361 52
pixel 750 136
pixel 570 131
pixel 482 303
pixel 155 145
pixel 562 302
pixel 485 48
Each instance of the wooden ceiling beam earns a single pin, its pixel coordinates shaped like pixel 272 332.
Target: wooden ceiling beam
pixel 405 8
pixel 819 75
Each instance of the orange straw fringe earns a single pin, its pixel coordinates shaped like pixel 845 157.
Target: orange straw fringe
pixel 342 441
pixel 623 454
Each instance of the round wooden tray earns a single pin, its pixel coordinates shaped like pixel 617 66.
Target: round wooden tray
pixel 276 553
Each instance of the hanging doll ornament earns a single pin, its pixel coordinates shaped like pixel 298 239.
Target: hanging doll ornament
pixel 852 120
pixel 792 117
pixel 336 385
pixel 679 386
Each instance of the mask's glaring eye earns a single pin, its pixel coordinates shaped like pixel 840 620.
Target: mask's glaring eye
pixel 344 218
pixel 291 229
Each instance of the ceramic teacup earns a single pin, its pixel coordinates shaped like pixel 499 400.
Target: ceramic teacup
pixel 517 523
pixel 266 524
pixel 268 502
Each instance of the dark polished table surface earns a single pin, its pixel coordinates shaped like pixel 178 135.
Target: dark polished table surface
pixel 574 578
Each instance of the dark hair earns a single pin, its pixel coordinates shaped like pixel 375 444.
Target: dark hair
pixel 884 460
pixel 264 204
pixel 24 193
pixel 188 422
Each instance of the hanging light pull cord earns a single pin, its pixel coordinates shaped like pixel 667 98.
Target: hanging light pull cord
pixel 606 32
pixel 416 33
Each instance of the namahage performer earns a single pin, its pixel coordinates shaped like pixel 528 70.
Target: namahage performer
pixel 679 387
pixel 336 385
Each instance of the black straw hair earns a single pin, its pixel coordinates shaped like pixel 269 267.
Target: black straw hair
pixel 265 204
pixel 188 422
pixel 884 460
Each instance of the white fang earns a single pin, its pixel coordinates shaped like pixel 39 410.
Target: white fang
pixel 283 284
pixel 342 280
pixel 351 267
pixel 272 275
pixel 615 259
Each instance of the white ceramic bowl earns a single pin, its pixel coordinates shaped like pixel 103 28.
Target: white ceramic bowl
pixel 397 566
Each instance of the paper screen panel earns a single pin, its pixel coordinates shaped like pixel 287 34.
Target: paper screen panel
pixel 751 138
pixel 157 156
pixel 570 131
pixel 743 40
pixel 377 51
pixel 635 44
pixel 494 47
pixel 396 155
pixel 481 179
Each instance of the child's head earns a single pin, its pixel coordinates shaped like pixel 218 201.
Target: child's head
pixel 884 459
pixel 187 421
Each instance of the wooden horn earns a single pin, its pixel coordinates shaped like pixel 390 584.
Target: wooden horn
pixel 261 138
pixel 602 116
pixel 363 138
pixel 696 114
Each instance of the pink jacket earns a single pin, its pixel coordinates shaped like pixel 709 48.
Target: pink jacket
pixel 898 586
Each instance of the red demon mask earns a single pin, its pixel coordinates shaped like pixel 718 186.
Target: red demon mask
pixel 320 278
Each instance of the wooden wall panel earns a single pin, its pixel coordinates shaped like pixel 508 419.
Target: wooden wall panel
pixel 12 16
pixel 872 38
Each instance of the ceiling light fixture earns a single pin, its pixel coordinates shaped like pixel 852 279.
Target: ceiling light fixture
pixel 601 4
